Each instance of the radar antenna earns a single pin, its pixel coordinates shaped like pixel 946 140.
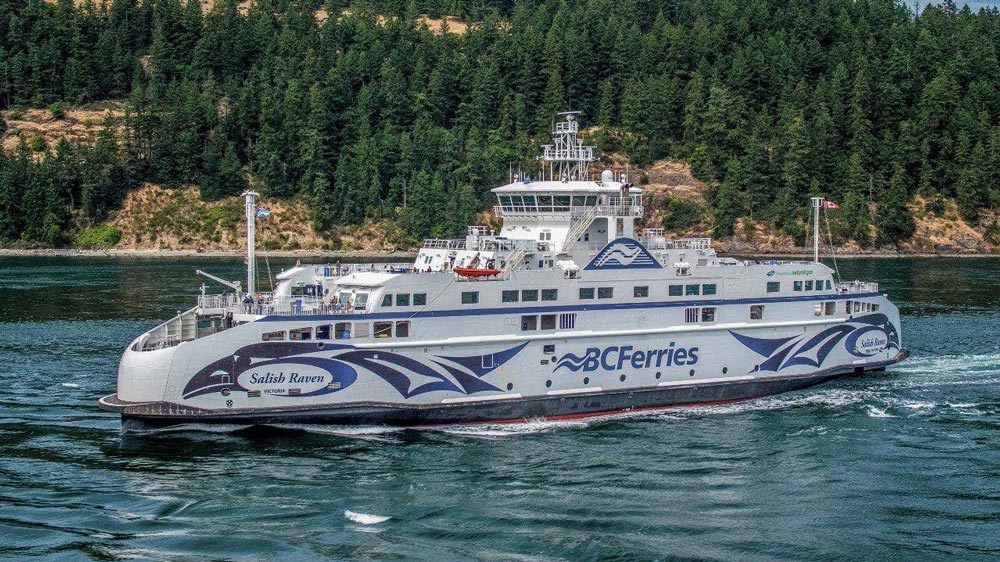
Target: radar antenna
pixel 568 158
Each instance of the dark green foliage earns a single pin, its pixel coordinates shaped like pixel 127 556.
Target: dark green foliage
pixel 101 236
pixel 681 214
pixel 368 115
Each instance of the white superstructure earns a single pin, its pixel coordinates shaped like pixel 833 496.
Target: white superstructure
pixel 568 310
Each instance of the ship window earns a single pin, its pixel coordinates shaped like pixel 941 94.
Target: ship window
pixel 798 285
pixel 529 295
pixel 691 290
pixel 529 202
pixel 508 296
pixel 586 293
pixel 708 314
pixel 818 309
pixel 516 202
pixel 829 284
pixel 387 300
pixel 875 307
pixel 342 330
pixel 300 334
pixel 640 292
pixel 708 289
pixel 470 297
pixel 857 306
pixel 819 285
pixel 550 294
pixel 691 315
pixel 323 332
pixel 561 203
pixel 383 329
pixel 361 330
pixel 756 312
pixel 809 285
pixel 567 321
pixel 505 201
pixel 676 290
pixel 605 292
pixel 847 309
pixel 773 286
pixel 544 202
pixel 273 336
pixel 403 329
pixel 579 201
pixel 403 299
pixel 548 322
pixel 529 323
pixel 419 299
pixel 830 308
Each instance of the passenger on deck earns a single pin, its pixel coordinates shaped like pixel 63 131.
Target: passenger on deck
pixel 248 304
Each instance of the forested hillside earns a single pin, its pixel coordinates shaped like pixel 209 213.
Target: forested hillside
pixel 364 112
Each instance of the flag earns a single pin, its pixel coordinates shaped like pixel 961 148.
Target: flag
pixel 263 213
pixel 830 205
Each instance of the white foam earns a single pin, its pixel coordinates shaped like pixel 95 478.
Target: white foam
pixel 878 413
pixel 70 385
pixel 365 518
pixel 357 432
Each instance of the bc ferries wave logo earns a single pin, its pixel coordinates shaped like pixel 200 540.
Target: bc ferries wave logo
pixel 296 369
pixel 863 337
pixel 623 253
pixel 615 358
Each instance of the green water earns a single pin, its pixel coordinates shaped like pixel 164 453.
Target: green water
pixel 903 465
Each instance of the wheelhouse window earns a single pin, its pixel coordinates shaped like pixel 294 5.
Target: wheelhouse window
pixel 640 292
pixel 550 294
pixel 419 299
pixel 403 329
pixel 676 291
pixel 529 323
pixel 605 292
pixel 403 299
pixel 300 334
pixel 774 286
pixel 709 289
pixel 383 330
pixel 508 296
pixel 529 295
pixel 470 297
pixel 756 312
pixel 586 293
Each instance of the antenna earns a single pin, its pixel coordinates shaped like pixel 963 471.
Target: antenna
pixel 567 157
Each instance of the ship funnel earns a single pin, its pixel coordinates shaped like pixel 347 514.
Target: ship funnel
pixel 607 176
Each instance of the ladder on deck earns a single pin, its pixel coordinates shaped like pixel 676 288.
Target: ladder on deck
pixel 577 228
pixel 513 260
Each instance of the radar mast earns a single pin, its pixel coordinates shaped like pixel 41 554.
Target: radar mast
pixel 568 158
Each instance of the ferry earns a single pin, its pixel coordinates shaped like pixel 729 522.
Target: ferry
pixel 568 311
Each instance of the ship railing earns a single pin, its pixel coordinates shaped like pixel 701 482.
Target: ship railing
pixel 659 243
pixel 339 270
pixel 445 243
pixel 855 287
pixel 575 211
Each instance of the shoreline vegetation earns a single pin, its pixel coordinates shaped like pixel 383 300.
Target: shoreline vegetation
pixel 386 255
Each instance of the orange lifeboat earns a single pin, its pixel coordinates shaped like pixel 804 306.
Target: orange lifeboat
pixel 476 272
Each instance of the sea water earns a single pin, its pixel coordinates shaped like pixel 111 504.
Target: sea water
pixel 899 465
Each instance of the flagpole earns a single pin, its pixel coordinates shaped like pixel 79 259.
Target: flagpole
pixel 817 203
pixel 251 212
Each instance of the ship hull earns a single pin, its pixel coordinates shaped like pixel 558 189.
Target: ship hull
pixel 152 415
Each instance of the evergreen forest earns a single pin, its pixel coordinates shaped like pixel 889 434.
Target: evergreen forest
pixel 367 113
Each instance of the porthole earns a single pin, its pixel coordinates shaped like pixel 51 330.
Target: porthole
pixel 658 374
pixel 320 345
pixel 548 383
pixel 510 386
pixel 725 370
pixel 691 372
pixel 622 378
pixel 586 380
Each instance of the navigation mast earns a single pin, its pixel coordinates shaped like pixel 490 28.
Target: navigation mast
pixel 568 158
pixel 251 212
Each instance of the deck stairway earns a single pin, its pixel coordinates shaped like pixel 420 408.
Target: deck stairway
pixel 579 225
pixel 513 259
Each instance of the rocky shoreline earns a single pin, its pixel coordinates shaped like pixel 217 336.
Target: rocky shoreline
pixel 405 255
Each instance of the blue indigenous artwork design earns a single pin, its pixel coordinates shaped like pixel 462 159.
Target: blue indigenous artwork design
pixel 862 337
pixel 624 253
pixel 295 369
